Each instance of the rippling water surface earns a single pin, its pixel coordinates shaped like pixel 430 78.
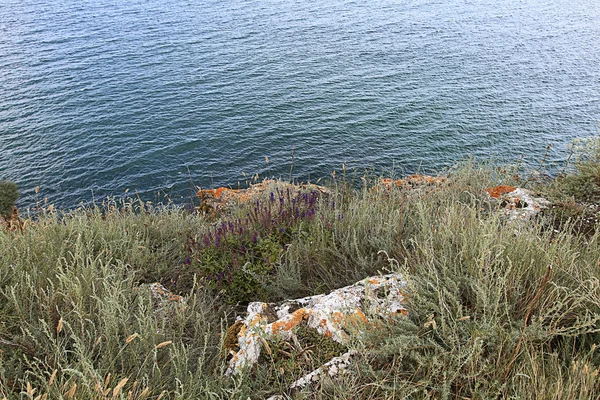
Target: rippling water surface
pixel 99 97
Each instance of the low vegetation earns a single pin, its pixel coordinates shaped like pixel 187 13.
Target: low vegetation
pixel 496 309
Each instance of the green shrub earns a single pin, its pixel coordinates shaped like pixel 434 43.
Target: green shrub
pixel 9 193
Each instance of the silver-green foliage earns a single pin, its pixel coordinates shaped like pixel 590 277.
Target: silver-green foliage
pixel 486 318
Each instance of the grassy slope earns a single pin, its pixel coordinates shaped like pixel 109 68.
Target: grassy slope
pixel 75 319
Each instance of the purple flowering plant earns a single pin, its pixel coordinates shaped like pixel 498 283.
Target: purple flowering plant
pixel 238 254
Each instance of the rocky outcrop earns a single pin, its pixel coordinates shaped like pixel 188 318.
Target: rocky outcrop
pixel 412 181
pixel 518 203
pixel 335 316
pixel 214 200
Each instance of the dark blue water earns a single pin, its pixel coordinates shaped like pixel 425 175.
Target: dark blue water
pixel 97 97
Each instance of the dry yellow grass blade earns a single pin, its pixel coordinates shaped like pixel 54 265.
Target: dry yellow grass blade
pixel 30 390
pixel 131 337
pixel 119 386
pixel 163 344
pixel 69 395
pixel 52 377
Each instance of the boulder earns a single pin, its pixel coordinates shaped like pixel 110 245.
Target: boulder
pixel 334 315
pixel 518 203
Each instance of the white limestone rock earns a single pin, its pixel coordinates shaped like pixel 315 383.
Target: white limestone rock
pixel 329 314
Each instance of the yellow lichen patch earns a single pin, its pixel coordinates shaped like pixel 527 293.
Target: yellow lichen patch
pixel 288 324
pixel 373 281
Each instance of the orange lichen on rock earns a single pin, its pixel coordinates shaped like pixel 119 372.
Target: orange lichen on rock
pixel 361 315
pixel 518 203
pixel 217 192
pixel 497 191
pixel 158 291
pixel 329 314
pixel 356 319
pixel 324 328
pixel 390 183
pixel 288 324
pixel 174 297
pixel 336 317
pixel 258 319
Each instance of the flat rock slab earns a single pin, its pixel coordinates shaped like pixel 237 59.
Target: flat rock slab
pixel 333 315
